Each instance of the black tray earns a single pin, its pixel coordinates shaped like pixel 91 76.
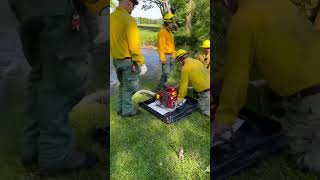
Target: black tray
pixel 189 106
pixel 257 138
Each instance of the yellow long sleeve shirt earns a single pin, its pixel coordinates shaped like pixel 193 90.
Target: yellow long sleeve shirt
pixel 282 45
pixel 205 59
pixel 165 43
pixel 197 74
pixel 124 36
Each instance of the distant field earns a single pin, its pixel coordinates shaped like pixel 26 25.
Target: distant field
pixel 148 33
pixel 150 25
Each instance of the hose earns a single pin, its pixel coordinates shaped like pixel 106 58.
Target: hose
pixel 146 92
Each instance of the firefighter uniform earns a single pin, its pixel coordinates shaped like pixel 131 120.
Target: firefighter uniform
pixel 205 59
pixel 283 46
pixel 59 68
pixel 198 76
pixel 166 49
pixel 125 50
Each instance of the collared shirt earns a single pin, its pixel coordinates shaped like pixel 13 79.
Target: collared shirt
pixel 195 73
pixel 124 36
pixel 205 59
pixel 165 43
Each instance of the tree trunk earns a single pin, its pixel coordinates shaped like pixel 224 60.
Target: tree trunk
pixel 189 17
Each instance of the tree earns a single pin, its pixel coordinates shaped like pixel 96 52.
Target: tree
pixel 113 5
pixel 163 5
pixel 189 17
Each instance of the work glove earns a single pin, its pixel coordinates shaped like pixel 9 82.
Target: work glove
pixel 143 69
pixel 181 102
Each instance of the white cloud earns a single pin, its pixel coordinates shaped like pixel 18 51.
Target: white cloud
pixel 153 13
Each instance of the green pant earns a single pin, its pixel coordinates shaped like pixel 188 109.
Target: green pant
pixel 166 69
pixel 204 103
pixel 129 84
pixel 301 124
pixel 59 64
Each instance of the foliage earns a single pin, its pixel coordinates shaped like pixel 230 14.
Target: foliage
pixel 113 5
pixel 200 20
pixel 142 20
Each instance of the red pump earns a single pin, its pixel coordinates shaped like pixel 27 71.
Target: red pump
pixel 168 97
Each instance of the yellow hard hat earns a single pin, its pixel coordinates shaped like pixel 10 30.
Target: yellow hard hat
pixel 169 17
pixel 97 7
pixel 180 53
pixel 206 43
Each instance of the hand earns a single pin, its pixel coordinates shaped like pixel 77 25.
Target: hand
pixel 163 62
pixel 143 69
pixel 181 102
pixel 217 130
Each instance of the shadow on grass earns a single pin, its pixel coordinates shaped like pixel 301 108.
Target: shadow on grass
pixel 143 147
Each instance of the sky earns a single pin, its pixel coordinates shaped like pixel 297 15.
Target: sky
pixel 153 13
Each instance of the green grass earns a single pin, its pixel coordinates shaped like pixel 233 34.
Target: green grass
pixel 83 117
pixel 148 33
pixel 143 147
pixel 150 25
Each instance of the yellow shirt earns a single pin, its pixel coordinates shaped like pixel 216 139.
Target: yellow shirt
pixel 197 74
pixel 124 36
pixel 205 59
pixel 165 43
pixel 275 38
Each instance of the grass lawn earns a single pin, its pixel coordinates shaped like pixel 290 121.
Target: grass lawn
pixel 150 25
pixel 143 147
pixel 148 33
pixel 84 117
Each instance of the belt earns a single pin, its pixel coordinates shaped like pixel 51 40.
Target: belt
pixel 308 91
pixel 125 58
pixel 168 53
pixel 206 90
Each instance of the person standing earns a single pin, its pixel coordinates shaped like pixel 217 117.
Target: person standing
pixel 166 48
pixel 55 43
pixel 126 53
pixel 204 57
